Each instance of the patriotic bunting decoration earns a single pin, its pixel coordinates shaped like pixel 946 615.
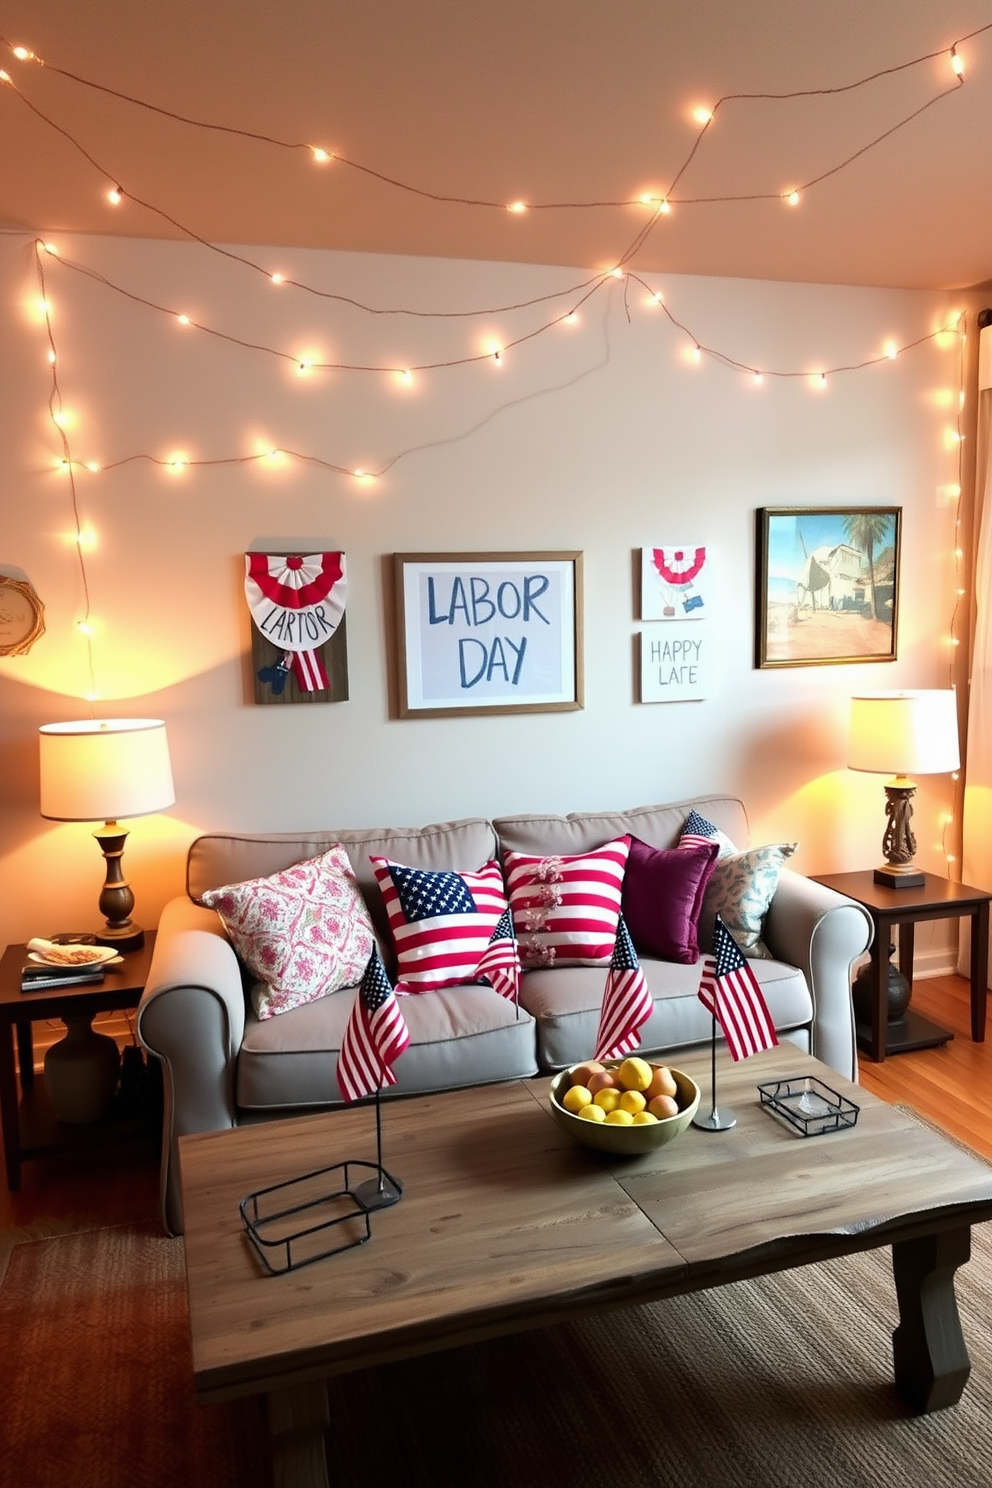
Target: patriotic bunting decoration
pixel 500 963
pixel 627 1003
pixel 297 602
pixel 728 988
pixel 375 1037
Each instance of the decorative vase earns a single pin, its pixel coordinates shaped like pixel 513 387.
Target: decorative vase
pixel 897 992
pixel 81 1073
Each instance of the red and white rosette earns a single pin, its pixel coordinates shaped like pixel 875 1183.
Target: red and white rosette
pixel 678 566
pixel 297 602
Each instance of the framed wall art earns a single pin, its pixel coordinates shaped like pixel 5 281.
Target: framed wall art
pixel 299 646
pixel 22 616
pixel 827 585
pixel 488 633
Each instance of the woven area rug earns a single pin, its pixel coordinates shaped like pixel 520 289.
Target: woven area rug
pixel 782 1382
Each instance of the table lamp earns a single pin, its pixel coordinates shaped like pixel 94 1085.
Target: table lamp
pixel 903 734
pixel 100 770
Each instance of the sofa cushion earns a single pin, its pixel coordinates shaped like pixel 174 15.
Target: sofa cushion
pixel 663 890
pixel 565 909
pixel 441 922
pixel 304 932
pixel 567 1008
pixel 740 891
pixel 660 826
pixel 461 1036
pixel 222 857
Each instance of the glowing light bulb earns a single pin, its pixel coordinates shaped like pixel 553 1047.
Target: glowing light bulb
pixel 702 114
pixel 365 477
pixel 84 627
pixel 4 76
pixel 891 350
pixel 51 248
pixel 62 417
pixel 115 196
pixel 818 379
pixel 183 319
pixel 304 367
pixel 23 55
pixel 44 307
pixel 319 155
pixel 616 273
pixel 51 356
pixel 792 198
pixel 757 377
pixel 570 319
pixel 656 298
pixel 696 354
pixel 664 206
pixel 957 62
pixel 278 278
pixel 93 467
pixel 405 377
pixel 517 207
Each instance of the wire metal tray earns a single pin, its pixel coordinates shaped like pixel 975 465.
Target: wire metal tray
pixel 808 1106
pixel 291 1224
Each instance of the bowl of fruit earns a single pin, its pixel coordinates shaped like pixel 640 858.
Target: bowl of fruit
pixel 624 1106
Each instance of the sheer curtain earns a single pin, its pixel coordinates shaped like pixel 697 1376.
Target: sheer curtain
pixel 976 843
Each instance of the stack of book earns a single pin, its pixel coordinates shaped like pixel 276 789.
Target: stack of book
pixel 37 978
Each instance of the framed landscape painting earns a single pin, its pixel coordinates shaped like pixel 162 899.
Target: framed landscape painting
pixel 828 585
pixel 488 633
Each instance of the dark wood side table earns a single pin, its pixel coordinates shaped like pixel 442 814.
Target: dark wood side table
pixel 938 899
pixel 27 1131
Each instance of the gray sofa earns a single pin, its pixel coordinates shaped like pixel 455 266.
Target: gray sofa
pixel 223 1067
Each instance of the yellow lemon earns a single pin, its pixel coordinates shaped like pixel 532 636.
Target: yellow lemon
pixel 644 1118
pixel 632 1101
pixel 635 1074
pixel 607 1100
pixel 617 1117
pixel 575 1097
pixel 592 1112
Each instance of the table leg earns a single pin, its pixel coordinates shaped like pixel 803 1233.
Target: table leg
pixel 25 1054
pixel 907 950
pixel 931 1361
pixel 979 971
pixel 9 1112
pixel 298 1420
pixel 880 986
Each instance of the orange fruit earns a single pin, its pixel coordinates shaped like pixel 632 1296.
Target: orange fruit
pixel 635 1074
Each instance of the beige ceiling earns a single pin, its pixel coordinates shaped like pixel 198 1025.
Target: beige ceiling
pixel 501 100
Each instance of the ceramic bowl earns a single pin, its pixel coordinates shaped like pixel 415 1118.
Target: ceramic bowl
pixel 626 1141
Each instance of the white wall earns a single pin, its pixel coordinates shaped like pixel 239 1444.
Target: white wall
pixel 599 437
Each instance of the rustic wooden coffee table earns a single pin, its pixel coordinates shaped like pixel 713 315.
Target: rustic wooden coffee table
pixel 506 1224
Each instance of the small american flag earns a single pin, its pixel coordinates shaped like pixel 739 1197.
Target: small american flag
pixel 696 830
pixel 375 1037
pixel 729 989
pixel 627 1003
pixel 500 963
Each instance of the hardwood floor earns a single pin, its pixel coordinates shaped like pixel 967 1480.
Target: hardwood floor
pixel 951 1086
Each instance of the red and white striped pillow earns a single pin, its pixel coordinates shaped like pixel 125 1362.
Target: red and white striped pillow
pixel 565 909
pixel 440 922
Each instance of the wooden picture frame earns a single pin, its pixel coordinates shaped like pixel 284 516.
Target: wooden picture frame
pixel 486 633
pixel 827 585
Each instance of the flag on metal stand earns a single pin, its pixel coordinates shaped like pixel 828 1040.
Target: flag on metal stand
pixel 500 962
pixel 374 1039
pixel 729 989
pixel 627 1002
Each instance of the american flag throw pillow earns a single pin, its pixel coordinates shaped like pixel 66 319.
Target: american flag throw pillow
pixel 441 923
pixel 565 909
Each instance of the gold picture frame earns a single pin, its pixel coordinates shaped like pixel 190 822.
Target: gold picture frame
pixel 22 616
pixel 828 585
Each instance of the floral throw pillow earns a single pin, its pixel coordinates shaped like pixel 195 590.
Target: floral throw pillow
pixel 303 933
pixel 565 910
pixel 740 891
pixel 440 922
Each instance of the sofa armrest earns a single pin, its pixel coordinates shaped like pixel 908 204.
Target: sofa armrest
pixel 821 932
pixel 192 1018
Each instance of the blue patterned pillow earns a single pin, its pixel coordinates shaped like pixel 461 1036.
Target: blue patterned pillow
pixel 740 891
pixel 697 829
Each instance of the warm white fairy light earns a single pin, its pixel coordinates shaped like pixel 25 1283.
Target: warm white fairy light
pixel 517 207
pixel 957 62
pixel 791 198
pixel 891 350
pixel 702 114
pixel 93 467
pixel 22 54
pixel 278 278
pixel 570 319
pixel 51 356
pixel 320 155
pixel 115 196
pixel 757 378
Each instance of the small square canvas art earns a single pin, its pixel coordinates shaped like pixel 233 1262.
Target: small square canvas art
pixel 675 582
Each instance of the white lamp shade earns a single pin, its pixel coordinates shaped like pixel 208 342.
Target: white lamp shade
pixel 104 769
pixel 904 733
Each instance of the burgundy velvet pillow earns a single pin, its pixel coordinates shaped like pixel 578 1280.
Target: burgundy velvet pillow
pixel 663 892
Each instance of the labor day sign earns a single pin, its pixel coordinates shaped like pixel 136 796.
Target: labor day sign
pixel 489 633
